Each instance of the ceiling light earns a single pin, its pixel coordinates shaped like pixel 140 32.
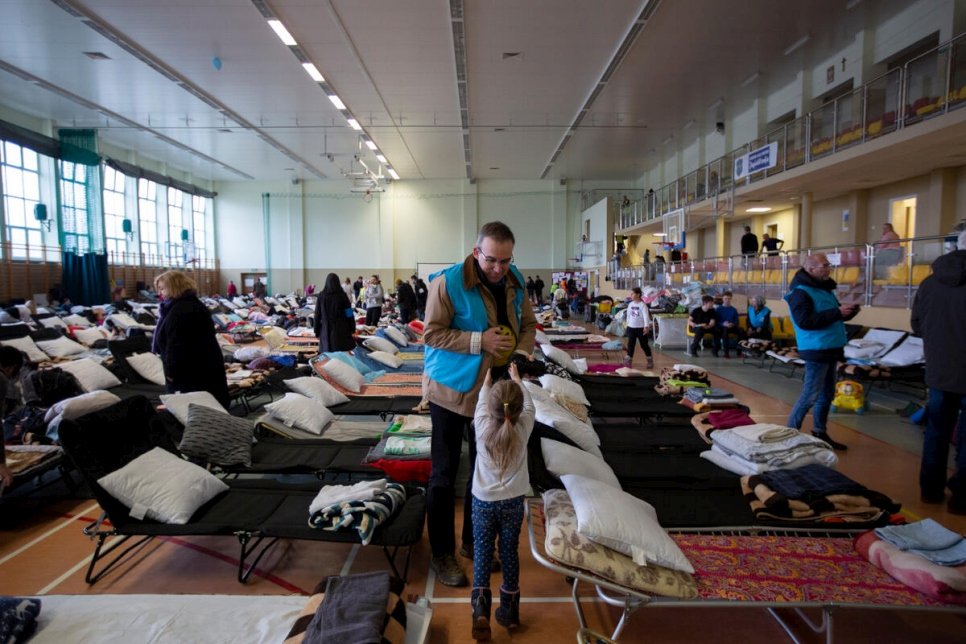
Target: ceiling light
pixel 339 105
pixel 96 55
pixel 659 234
pixel 758 209
pixel 798 44
pixel 371 145
pixel 718 103
pixel 688 124
pixel 751 79
pixel 313 72
pixel 381 158
pixel 282 32
pixel 354 124
pixel 667 140
pixel 393 174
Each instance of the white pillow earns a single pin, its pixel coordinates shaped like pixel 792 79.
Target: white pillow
pixel 624 523
pixel 149 366
pixel 387 359
pixel 53 323
pixel 123 320
pixel 88 337
pixel 550 413
pixel 347 376
pixel 557 385
pixel 541 337
pixel 317 389
pixel 27 345
pixel 160 486
pixel 296 410
pixel 560 357
pixel 78 320
pixel 177 404
pixel 375 343
pixel 61 347
pixel 564 459
pixel 397 336
pixel 683 366
pixel 80 405
pixel 90 375
pixel 247 354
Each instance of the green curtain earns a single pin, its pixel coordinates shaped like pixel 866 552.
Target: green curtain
pixel 85 278
pixel 80 211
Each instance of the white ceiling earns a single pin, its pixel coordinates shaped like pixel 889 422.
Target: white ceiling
pixel 393 64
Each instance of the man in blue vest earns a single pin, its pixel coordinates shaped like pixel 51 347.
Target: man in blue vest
pixel 819 322
pixel 477 315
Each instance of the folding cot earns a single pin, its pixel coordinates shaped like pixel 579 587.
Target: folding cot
pixel 33 462
pixel 615 397
pixel 253 510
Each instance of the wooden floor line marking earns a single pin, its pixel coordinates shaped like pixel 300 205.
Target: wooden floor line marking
pixel 267 576
pixel 78 566
pixel 31 544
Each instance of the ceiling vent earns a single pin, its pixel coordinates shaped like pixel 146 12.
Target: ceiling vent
pixel 96 55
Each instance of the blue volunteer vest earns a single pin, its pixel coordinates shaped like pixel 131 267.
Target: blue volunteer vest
pixel 459 370
pixel 831 337
pixel 757 318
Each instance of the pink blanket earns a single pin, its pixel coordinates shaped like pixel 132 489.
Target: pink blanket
pixel 945 583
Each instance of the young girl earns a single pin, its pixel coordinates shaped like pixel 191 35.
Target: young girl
pixel 638 327
pixel 503 422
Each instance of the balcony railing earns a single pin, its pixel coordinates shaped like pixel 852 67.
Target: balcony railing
pixel 930 85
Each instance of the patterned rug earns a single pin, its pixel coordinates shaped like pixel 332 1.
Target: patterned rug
pixel 791 569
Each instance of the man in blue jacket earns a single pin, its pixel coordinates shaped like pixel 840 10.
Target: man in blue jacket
pixel 477 315
pixel 819 322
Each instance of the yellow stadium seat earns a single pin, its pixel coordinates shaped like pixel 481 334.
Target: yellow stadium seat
pixel 920 272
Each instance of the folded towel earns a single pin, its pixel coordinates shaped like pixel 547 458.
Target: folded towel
pixel 409 445
pixel 331 494
pixel 765 432
pixel 929 540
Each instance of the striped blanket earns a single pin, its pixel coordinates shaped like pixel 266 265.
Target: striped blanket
pixel 363 516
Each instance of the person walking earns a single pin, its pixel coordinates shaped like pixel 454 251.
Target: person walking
pixel 530 289
pixel 373 298
pixel 477 315
pixel 638 328
pixel 232 290
pixel 503 423
pixel 406 299
pixel 422 292
pixel 538 287
pixel 937 314
pixel 334 318
pixel 185 339
pixel 819 322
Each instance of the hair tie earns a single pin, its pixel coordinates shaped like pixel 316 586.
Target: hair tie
pixel 506 410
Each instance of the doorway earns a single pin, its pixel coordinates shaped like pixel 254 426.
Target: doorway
pixel 902 216
pixel 248 281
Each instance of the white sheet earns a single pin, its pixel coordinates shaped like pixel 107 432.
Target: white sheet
pixel 909 352
pixel 176 619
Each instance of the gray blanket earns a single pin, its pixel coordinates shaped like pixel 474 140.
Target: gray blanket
pixel 353 611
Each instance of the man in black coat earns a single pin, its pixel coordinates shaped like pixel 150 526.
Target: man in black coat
pixel 406 299
pixel 937 316
pixel 538 290
pixel 749 244
pixel 422 293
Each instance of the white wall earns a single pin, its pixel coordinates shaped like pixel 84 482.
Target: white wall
pixel 597 216
pixel 912 24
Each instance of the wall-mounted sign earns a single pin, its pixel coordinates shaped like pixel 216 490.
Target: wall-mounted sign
pixel 757 160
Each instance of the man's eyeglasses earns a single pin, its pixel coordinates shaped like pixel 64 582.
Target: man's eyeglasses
pixel 493 260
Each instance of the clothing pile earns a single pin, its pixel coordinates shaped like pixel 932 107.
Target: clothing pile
pixel 675 380
pixel 763 447
pixel 404 450
pixel 814 493
pixel 362 507
pixel 703 399
pixel 923 555
pixel 709 421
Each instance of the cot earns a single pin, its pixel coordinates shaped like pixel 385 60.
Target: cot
pixel 751 567
pixel 253 510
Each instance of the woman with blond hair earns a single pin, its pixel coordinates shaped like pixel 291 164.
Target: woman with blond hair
pixel 185 339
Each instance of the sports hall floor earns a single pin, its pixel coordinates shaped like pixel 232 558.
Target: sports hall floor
pixel 42 550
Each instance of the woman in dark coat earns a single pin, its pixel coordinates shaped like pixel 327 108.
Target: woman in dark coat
pixel 334 318
pixel 185 339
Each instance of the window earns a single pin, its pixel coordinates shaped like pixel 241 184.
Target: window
pixel 200 207
pixel 73 203
pixel 175 226
pixel 21 186
pixel 115 213
pixel 148 221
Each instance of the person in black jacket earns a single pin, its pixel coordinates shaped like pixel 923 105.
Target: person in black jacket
pixel 406 299
pixel 819 322
pixel 334 318
pixel 937 316
pixel 422 293
pixel 185 339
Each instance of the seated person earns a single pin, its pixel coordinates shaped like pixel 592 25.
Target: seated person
pixel 759 318
pixel 726 321
pixel 702 321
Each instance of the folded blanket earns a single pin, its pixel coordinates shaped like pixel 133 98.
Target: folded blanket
pixel 776 453
pixel 929 540
pixel 729 418
pixel 354 610
pixel 363 516
pixel 409 445
pixel 768 504
pixel 764 432
pixel 945 583
pixel 413 423
pixel 362 491
pixel 812 482
pixel 738 465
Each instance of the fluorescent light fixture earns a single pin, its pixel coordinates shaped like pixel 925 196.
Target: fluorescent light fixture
pixel 354 124
pixel 658 234
pixel 667 140
pixel 393 174
pixel 381 159
pixel 282 32
pixel 758 209
pixel 798 44
pixel 718 103
pixel 371 145
pixel 339 105
pixel 688 124
pixel 751 79
pixel 313 72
